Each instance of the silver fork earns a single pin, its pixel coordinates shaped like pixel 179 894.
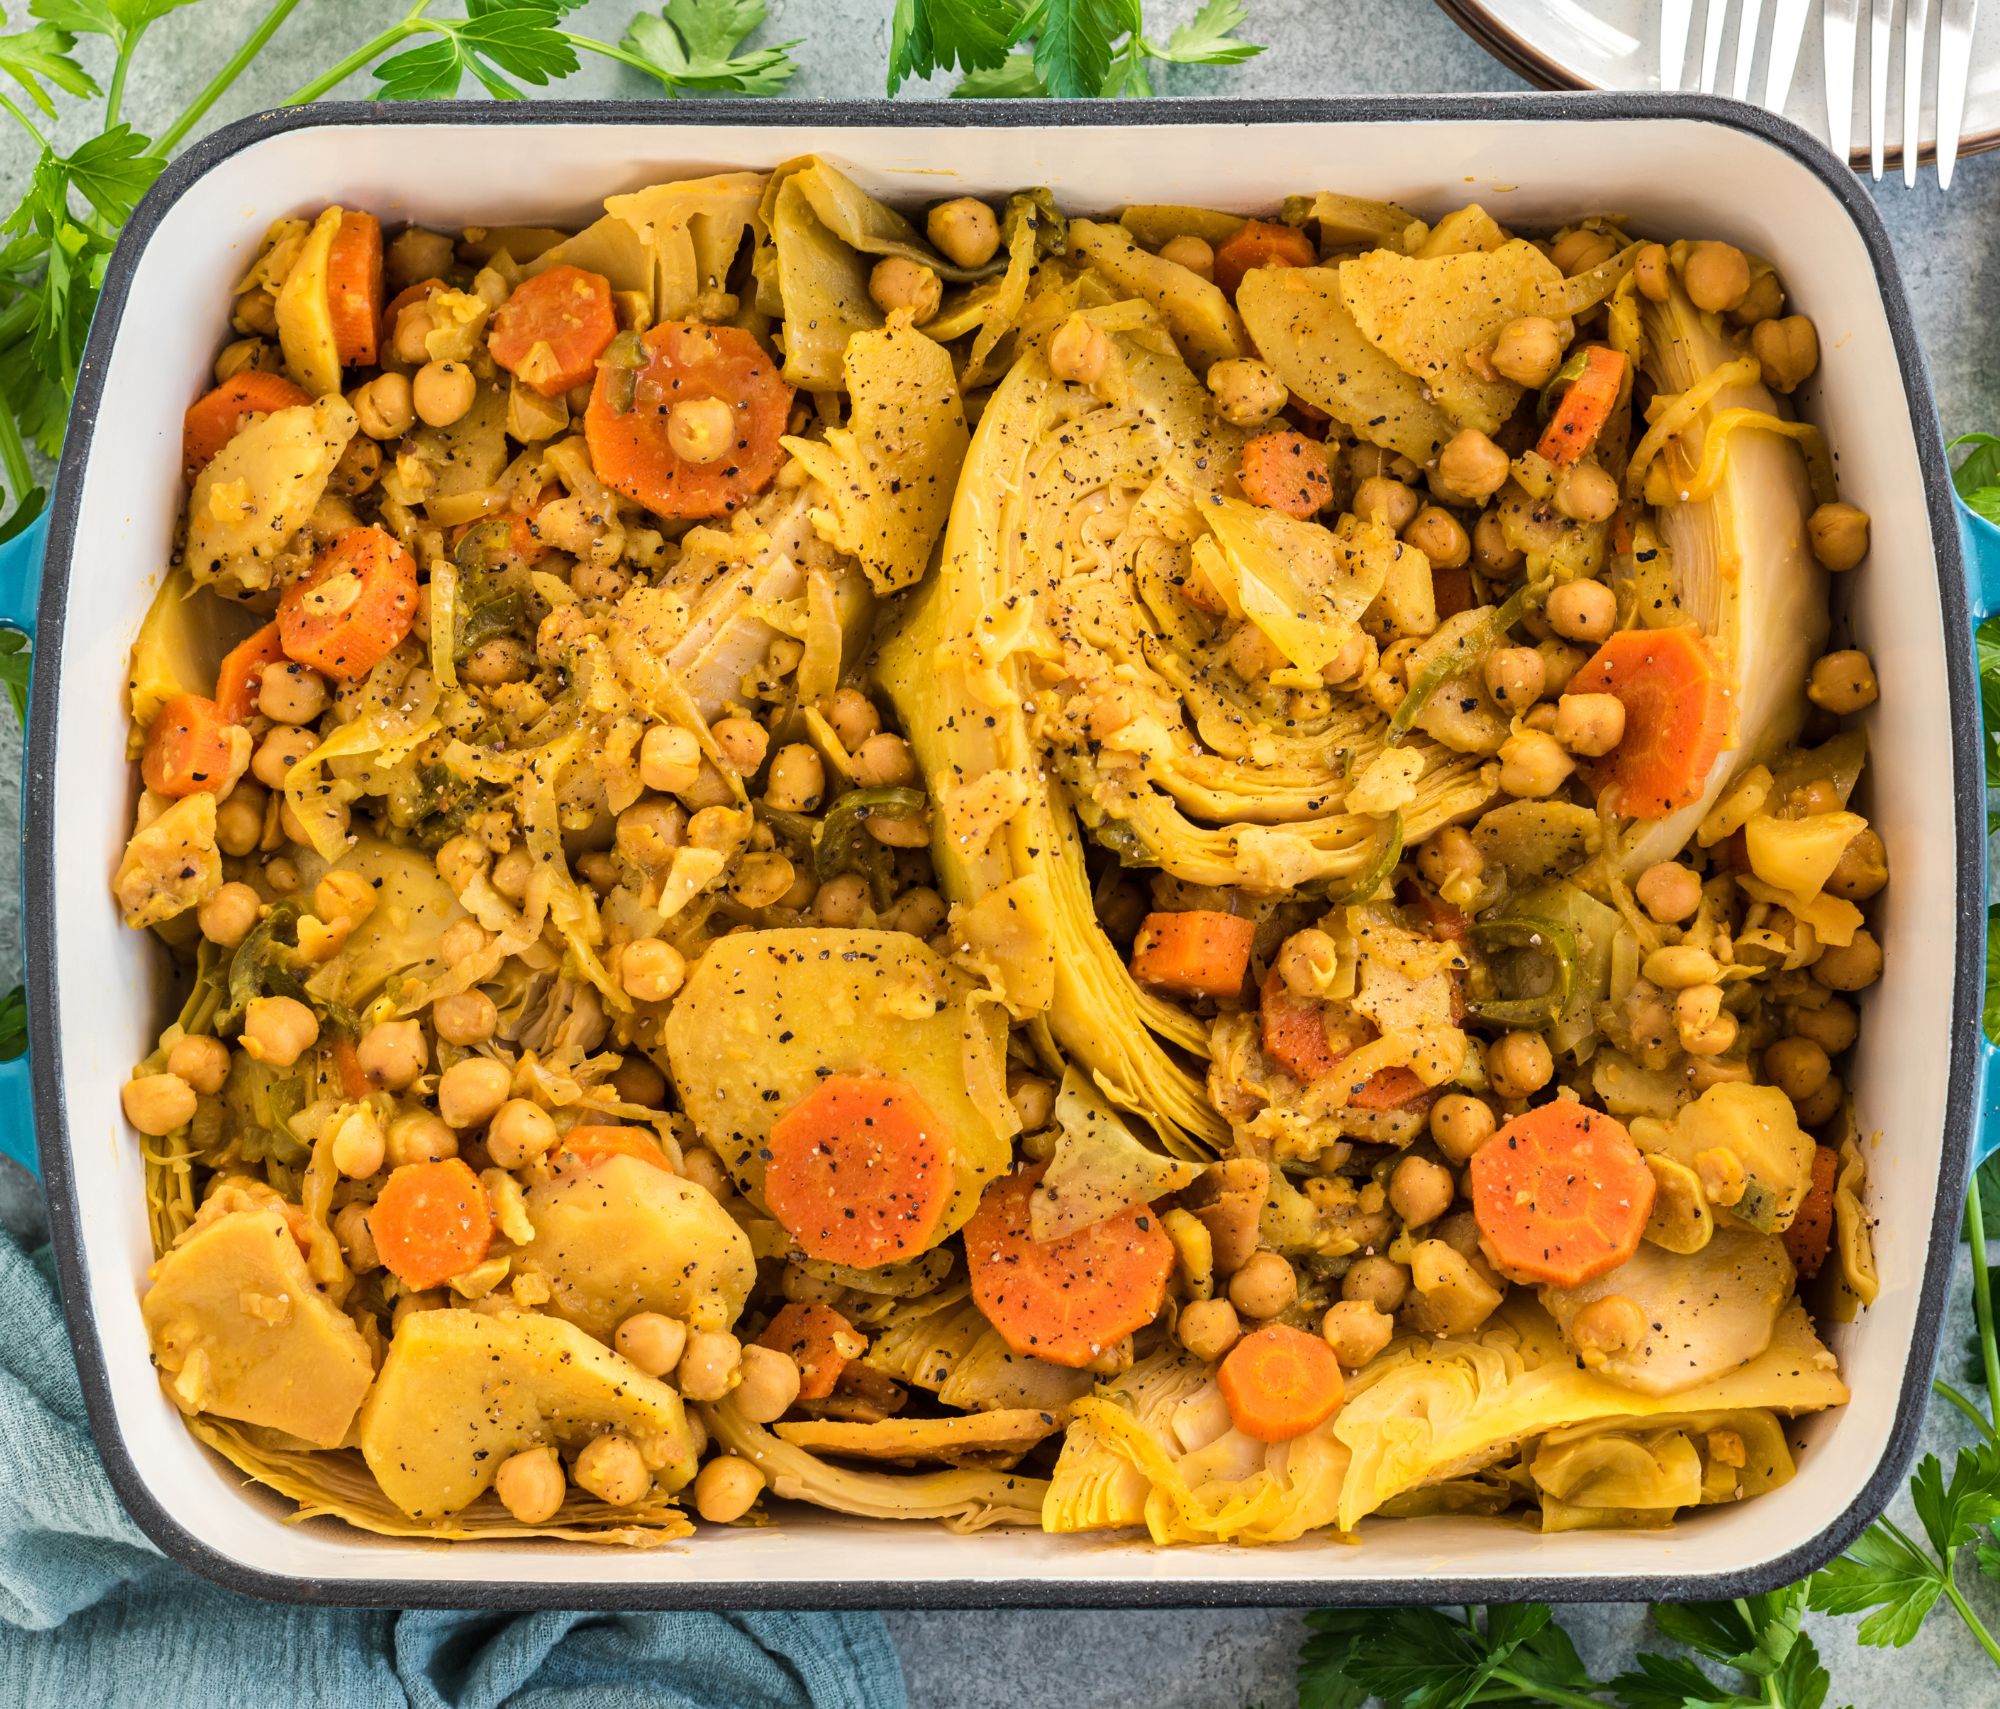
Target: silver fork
pixel 1788 28
pixel 1954 52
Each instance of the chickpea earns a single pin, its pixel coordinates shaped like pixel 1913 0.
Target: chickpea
pixel 900 832
pixel 1440 536
pixel 1607 1327
pixel 705 1170
pixel 442 392
pixel 1519 1064
pixel 1420 1191
pixel 900 283
pixel 1471 466
pixel 1833 1026
pixel 291 693
pixel 1389 502
pixel 385 407
pixel 282 749
pixel 157 1104
pixel 1208 1328
pixel 239 819
pixel 1265 1286
pixel 1533 765
pixel 419 1137
pixel 1079 351
pixel 512 871
pixel 770 1384
pixel 1850 967
pixel 1838 534
pixel 884 761
pixel 1787 349
pixel 1798 1067
pixel 1675 967
pixel 853 717
pixel 1373 1280
pixel 465 1018
pixel 357 1240
pixel 652 1341
pixel 1528 351
pixel 638 1081
pixel 1514 677
pixel 1585 492
pixel 471 1091
pixel 1765 300
pixel 343 895
pixel 409 341
pixel 743 743
pixel 1716 276
pixel 1583 611
pixel 530 1485
pixel 797 779
pixel 1590 724
pixel 1491 549
pixel 1863 868
pixel 1034 1100
pixel 229 915
pixel 842 901
pixel 278 1030
pixel 651 970
pixel 393 1053
pixel 201 1061
pixel 649 832
pixel 415 255
pixel 1246 391
pixel 1251 653
pixel 611 1468
pixel 669 759
pixel 920 912
pixel 1822 1105
pixel 727 1488
pixel 1196 254
pixel 701 430
pixel 964 231
pixel 281 875
pixel 358 1145
pixel 708 1369
pixel 1843 682
pixel 1652 273
pixel 1580 250
pixel 1461 1123
pixel 519 1134
pixel 1355 1331
pixel 505 658
pixel 762 879
pixel 1669 892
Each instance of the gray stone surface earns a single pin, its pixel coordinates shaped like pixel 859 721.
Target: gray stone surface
pixel 1317 47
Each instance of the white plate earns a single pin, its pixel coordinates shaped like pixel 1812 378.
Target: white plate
pixel 1615 44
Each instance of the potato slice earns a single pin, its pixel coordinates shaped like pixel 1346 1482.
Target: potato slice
pixel 305 311
pixel 978 1438
pixel 259 490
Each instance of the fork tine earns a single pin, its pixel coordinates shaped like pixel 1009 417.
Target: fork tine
pixel 1955 22
pixel 1837 56
pixel 1878 84
pixel 1746 47
pixel 1675 17
pixel 1788 31
pixel 1711 42
pixel 1916 31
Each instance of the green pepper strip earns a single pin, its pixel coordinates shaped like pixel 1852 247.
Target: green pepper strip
pixel 793 829
pixel 624 356
pixel 835 849
pixel 487 622
pixel 261 966
pixel 1556 943
pixel 1377 873
pixel 1461 657
pixel 1566 376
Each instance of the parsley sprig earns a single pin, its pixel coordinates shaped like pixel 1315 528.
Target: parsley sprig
pixel 1054 47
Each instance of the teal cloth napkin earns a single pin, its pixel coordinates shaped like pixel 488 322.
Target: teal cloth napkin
pixel 94 1615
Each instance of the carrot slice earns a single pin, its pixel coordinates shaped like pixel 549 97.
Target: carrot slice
pixel 190 746
pixel 241 678
pixel 1260 243
pixel 431 1222
pixel 354 1081
pixel 1677 715
pixel 814 1336
pixel 1584 407
pixel 1197 952
pixel 1279 1382
pixel 551 331
pixel 593 1144
pixel 216 417
pixel 626 424
pixel 1811 1232
pixel 353 607
pixel 1294 1037
pixel 1285 471
pixel 1068 1300
pixel 1561 1194
pixel 859 1171
pixel 354 289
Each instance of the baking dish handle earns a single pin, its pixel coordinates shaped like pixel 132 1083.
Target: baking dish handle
pixel 1982 579
pixel 20 593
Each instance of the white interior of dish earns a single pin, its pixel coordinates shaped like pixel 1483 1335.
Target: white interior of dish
pixel 1679 177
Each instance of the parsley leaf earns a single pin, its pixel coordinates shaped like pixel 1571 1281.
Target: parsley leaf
pixel 1422 1658
pixel 14 667
pixel 1887 1577
pixel 693 45
pixel 927 36
pixel 1977 479
pixel 1953 1514
pixel 1205 38
pixel 42 55
pixel 497 42
pixel 1015 75
pixel 1073 41
pixel 123 21
pixel 1986 651
pixel 111 172
pixel 13 1024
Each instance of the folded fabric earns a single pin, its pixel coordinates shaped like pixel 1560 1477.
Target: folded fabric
pixel 99 1617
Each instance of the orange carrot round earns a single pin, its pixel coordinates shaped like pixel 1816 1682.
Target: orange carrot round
pixel 1280 1382
pixel 1196 952
pixel 1069 1300
pixel 353 607
pixel 241 678
pixel 216 417
pixel 1584 407
pixel 859 1171
pixel 1677 715
pixel 189 747
pixel 551 331
pixel 811 1334
pixel 1294 1032
pixel 1286 471
pixel 354 289
pixel 626 425
pixel 354 1081
pixel 1260 243
pixel 431 1222
pixel 592 1144
pixel 1561 1194
pixel 1811 1230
